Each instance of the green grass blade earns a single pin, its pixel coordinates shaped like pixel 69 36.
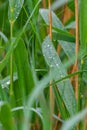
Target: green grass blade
pixel 70 123
pixel 2 94
pixel 58 71
pixel 14 9
pixel 68 47
pixel 6 58
pixel 59 102
pixel 45 112
pixel 6 117
pixel 58 27
pixel 33 96
pixel 3 37
pixel 56 23
pixel 23 68
pixel 83 26
pixel 5 82
pixel 58 4
pixel 62 35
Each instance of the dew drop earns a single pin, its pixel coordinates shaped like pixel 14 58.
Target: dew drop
pixel 53 58
pixel 1 103
pixel 8 82
pixel 57 65
pixel 48 45
pixel 51 66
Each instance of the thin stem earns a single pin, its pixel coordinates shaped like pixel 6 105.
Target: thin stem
pixel 75 67
pixel 50 19
pixel 77 50
pixel 56 125
pixel 44 3
pixel 51 93
pixel 11 61
pixel 77 46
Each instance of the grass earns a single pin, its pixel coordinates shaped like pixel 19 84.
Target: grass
pixel 43 73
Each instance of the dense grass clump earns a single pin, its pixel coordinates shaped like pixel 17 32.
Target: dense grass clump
pixel 43 65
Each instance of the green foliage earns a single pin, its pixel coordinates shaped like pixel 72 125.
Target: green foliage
pixel 25 77
pixel 59 31
pixel 58 71
pixel 14 9
pixel 37 64
pixel 83 26
pixel 6 117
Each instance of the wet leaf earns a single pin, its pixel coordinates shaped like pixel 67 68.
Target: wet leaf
pixel 58 71
pixel 14 9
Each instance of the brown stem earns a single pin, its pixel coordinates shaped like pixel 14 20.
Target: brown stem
pixel 75 67
pixel 66 16
pixel 56 125
pixel 50 20
pixel 51 93
pixel 77 47
pixel 44 3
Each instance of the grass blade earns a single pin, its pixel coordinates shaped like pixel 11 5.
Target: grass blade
pixel 23 68
pixel 65 87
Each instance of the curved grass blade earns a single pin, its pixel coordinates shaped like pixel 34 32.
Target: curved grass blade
pixel 70 123
pixel 35 93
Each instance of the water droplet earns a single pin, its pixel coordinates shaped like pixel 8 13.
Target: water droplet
pixel 61 76
pixel 51 66
pixel 48 45
pixel 1 103
pixel 56 64
pixel 8 82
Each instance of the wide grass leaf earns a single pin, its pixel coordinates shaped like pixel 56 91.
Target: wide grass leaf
pixel 14 9
pixel 58 71
pixel 58 28
pixel 6 117
pixel 23 68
